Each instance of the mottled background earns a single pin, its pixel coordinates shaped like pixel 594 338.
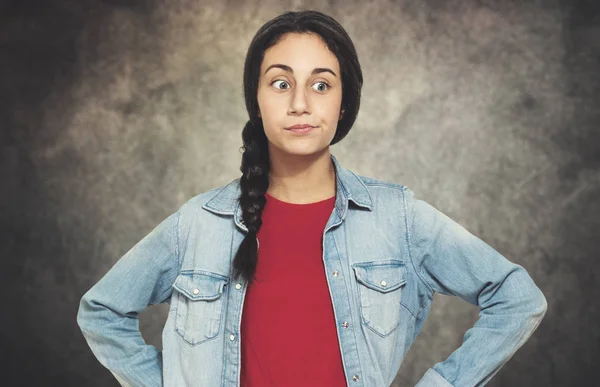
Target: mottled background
pixel 114 113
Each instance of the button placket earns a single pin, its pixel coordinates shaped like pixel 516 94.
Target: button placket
pixel 346 324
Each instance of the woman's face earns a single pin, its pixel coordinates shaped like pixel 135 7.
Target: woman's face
pixel 300 83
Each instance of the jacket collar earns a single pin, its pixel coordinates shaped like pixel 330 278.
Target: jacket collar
pixel 349 188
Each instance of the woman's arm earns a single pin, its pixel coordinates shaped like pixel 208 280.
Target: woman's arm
pixel 450 260
pixel 108 312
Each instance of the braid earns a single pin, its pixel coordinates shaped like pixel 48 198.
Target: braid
pixel 254 184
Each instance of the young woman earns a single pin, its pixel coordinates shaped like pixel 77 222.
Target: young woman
pixel 301 272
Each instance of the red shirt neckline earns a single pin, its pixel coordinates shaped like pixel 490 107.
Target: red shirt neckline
pixel 298 204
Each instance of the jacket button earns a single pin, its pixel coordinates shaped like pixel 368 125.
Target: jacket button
pixel 345 324
pixel 231 337
pixel 238 286
pixel 335 273
pixel 355 378
pixel 196 291
pixel 383 283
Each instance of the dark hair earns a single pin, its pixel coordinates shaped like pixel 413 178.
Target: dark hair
pixel 255 159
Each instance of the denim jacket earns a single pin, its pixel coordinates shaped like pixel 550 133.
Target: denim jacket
pixel 385 254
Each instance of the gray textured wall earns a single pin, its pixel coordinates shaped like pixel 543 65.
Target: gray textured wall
pixel 116 112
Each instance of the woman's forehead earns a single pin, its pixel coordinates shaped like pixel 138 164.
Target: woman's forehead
pixel 300 52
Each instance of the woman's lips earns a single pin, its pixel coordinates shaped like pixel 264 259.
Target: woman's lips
pixel 301 128
pixel 305 129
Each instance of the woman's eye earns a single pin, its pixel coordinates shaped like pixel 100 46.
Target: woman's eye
pixel 279 80
pixel 324 84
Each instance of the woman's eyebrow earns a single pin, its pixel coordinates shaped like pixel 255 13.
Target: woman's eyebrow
pixel 287 68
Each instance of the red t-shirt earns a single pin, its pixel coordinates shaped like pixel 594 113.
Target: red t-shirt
pixel 288 331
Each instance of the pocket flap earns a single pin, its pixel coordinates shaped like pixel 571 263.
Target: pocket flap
pixel 383 276
pixel 200 284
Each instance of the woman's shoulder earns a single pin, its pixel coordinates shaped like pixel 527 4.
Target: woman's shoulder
pixel 374 182
pixel 224 194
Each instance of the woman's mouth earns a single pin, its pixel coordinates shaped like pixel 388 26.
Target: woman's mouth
pixel 301 129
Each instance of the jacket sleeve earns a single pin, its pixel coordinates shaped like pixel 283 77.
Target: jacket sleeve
pixel 108 312
pixel 450 260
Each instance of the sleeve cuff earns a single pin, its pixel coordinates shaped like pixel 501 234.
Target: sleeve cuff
pixel 433 379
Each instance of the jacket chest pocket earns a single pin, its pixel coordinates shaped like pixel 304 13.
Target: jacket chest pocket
pixel 199 305
pixel 380 286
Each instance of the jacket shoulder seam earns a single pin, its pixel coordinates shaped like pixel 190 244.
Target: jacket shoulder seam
pixel 408 243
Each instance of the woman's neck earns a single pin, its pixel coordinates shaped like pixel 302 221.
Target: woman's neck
pixel 302 183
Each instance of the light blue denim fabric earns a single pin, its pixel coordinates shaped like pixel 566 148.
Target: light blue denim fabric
pixel 385 254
